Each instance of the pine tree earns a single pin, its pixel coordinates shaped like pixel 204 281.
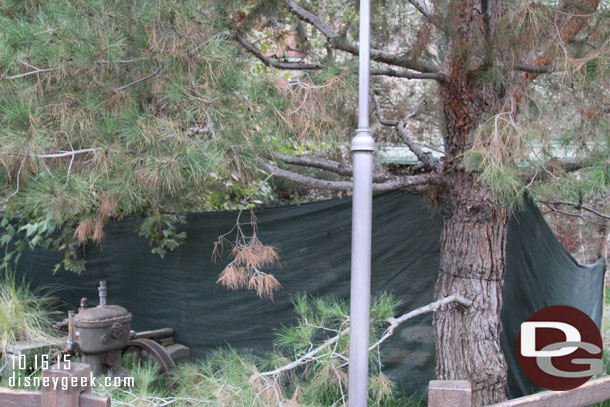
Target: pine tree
pixel 517 93
pixel 111 109
pixel 154 108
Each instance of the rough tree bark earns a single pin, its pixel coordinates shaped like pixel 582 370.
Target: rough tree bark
pixel 472 264
pixel 474 224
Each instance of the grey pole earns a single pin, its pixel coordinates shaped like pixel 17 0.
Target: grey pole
pixel 363 146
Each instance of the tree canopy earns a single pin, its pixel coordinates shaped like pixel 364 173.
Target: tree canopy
pixel 153 109
pixel 113 109
pixel 156 108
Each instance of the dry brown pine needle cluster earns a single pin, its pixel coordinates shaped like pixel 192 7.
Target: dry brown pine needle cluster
pixel 244 271
pixel 93 226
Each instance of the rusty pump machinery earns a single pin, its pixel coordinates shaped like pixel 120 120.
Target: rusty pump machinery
pixel 102 334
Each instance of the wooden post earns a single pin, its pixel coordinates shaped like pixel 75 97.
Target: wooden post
pixel 594 391
pixel 19 398
pixel 32 398
pixel 65 384
pixel 449 393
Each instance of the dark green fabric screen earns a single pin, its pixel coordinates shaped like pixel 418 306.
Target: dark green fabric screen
pixel 179 291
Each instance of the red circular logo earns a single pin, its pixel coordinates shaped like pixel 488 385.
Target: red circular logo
pixel 560 348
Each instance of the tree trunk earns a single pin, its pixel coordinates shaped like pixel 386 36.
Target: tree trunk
pixel 472 264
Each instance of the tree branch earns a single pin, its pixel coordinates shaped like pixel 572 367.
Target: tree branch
pixel 577 206
pixel 426 158
pixel 55 155
pixel 424 7
pixel 307 66
pixel 337 42
pixel 521 66
pixel 432 307
pixel 97 61
pixel 150 75
pixel 34 72
pixel 379 115
pixel 565 33
pixel 576 215
pixel 272 62
pixel 306 357
pixel 565 164
pixel 310 18
pixel 409 183
pixel 324 164
pixel 385 57
pixel 406 74
pixel 394 322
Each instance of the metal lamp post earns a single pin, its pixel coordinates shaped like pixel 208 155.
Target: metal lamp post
pixel 363 146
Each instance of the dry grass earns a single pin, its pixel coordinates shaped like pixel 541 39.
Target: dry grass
pixel 21 316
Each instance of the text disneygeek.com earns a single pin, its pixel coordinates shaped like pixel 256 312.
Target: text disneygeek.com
pixel 22 376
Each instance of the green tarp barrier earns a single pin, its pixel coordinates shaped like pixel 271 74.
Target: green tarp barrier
pixel 180 291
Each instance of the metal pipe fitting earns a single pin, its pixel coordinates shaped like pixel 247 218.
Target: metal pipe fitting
pixel 102 290
pixel 70 341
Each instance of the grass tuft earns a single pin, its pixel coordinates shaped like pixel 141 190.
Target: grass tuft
pixel 22 316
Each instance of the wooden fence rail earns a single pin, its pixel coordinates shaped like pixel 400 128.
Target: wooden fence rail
pixel 56 394
pixel 458 393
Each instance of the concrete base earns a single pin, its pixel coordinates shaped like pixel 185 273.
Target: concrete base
pixel 32 351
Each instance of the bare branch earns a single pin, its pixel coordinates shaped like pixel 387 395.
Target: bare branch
pixel 386 57
pixel 199 130
pixel 409 183
pixel 324 164
pixel 97 61
pixel 126 61
pixel 34 72
pixel 272 62
pixel 380 118
pixel 577 206
pixel 424 7
pixel 565 164
pixel 307 66
pixel 394 322
pixel 573 214
pixel 18 178
pixel 306 357
pixel 426 158
pixel 155 73
pixel 521 66
pixel 432 307
pixel 310 18
pixel 340 43
pixel 55 155
pixel 406 74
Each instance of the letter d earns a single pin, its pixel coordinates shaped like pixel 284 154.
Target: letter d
pixel 528 338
